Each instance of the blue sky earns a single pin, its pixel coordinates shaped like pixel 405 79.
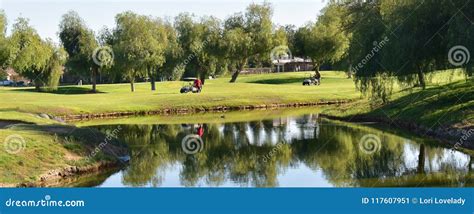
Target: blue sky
pixel 45 15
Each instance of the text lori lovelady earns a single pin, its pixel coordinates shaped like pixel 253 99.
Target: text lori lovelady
pixel 444 201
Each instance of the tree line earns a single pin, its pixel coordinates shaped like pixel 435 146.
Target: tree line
pixel 377 42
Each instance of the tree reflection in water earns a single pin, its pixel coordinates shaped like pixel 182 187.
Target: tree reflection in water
pixel 256 153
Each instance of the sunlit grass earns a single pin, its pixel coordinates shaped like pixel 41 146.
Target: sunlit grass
pixel 249 90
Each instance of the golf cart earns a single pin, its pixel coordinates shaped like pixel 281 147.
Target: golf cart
pixel 188 86
pixel 310 81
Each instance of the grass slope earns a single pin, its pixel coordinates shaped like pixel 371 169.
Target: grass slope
pixel 447 102
pixel 39 149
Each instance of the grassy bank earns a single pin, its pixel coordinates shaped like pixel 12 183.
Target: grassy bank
pixel 445 103
pixel 39 153
pixel 249 90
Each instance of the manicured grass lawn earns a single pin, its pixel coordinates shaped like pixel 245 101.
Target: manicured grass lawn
pixel 447 94
pixel 249 90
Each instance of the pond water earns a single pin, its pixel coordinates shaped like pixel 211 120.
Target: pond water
pixel 280 151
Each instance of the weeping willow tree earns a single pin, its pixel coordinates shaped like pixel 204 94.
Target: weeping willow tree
pixel 405 42
pixel 55 67
pixel 419 44
pixel 461 34
pixel 32 57
pixel 368 38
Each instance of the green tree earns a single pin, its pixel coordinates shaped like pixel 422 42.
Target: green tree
pixel 209 51
pixel 259 24
pixel 55 66
pixel 200 42
pixel 252 34
pixel 4 44
pixel 238 44
pixel 154 36
pixel 81 45
pixel 173 56
pixel 366 27
pixel 419 38
pixel 325 41
pixel 31 56
pixel 187 35
pixel 461 31
pixel 140 46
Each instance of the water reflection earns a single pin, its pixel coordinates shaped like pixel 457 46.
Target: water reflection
pixel 288 151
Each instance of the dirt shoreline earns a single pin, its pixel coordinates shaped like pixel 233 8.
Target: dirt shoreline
pixel 448 136
pixel 178 111
pixel 58 176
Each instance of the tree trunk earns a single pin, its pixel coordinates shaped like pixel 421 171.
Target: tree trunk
pixel 38 85
pixel 234 76
pixel 349 73
pixel 152 78
pixel 421 160
pixel 421 78
pixel 469 166
pixel 152 82
pixel 94 80
pixel 132 85
pixel 316 67
pixel 236 73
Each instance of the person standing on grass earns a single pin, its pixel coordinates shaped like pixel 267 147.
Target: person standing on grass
pixel 317 76
pixel 198 85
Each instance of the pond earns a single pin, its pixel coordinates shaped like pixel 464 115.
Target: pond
pixel 278 150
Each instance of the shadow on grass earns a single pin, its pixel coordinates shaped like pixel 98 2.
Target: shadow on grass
pixel 280 81
pixel 67 90
pixel 433 106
